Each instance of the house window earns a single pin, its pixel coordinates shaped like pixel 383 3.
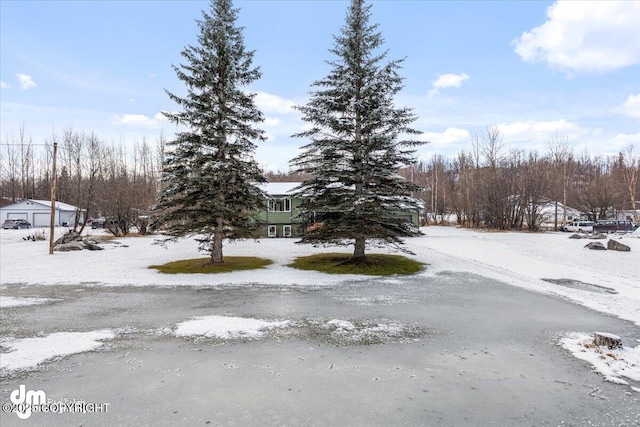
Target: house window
pixel 280 205
pixel 286 231
pixel 271 231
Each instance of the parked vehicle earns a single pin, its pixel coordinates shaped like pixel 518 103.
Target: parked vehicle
pixel 581 226
pixel 98 223
pixel 15 224
pixel 613 226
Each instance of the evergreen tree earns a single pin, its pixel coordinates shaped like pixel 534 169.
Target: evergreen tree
pixel 357 145
pixel 209 169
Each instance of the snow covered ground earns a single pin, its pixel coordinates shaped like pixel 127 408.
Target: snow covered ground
pixel 606 281
pixel 226 327
pixel 613 364
pixel 28 353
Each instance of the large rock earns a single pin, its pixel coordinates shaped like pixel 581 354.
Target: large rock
pixel 614 245
pixel 575 236
pixel 596 246
pixel 72 246
pixel 92 245
pixel 598 236
pixel 74 242
pixel 68 238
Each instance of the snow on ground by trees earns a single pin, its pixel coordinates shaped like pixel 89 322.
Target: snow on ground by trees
pixel 518 259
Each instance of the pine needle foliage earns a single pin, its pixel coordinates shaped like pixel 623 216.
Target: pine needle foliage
pixel 209 169
pixel 359 140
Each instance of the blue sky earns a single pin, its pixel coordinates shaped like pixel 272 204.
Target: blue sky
pixel 536 69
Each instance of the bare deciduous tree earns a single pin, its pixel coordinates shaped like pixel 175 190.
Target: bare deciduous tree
pixel 631 171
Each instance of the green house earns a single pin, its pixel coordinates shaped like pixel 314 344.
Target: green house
pixel 281 214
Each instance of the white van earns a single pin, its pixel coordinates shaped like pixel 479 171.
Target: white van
pixel 581 226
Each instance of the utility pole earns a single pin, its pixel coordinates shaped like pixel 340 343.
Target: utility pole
pixel 53 199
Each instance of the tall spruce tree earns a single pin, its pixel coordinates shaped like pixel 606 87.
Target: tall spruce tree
pixel 209 169
pixel 357 145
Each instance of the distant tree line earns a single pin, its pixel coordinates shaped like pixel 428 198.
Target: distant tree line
pixel 99 178
pixel 488 186
pixel 497 188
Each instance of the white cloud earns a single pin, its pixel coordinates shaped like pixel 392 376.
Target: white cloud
pixel 140 120
pixel 622 140
pixel 4 85
pixel 599 143
pixel 26 82
pixel 585 36
pixel 448 137
pixel 538 131
pixel 631 107
pixel 448 80
pixel 273 103
pixel 271 121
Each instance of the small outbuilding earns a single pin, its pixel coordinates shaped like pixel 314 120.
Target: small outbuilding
pixel 38 213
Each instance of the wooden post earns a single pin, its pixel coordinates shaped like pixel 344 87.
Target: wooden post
pixel 54 184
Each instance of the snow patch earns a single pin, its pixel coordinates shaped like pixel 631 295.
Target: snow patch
pixel 28 353
pixel 367 332
pixel 225 327
pixel 611 364
pixel 8 302
pixel 341 324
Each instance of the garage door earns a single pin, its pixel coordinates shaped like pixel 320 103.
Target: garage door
pixel 17 215
pixel 41 219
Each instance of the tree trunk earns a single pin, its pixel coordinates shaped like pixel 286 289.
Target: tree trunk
pixel 631 189
pixel 359 247
pixel 216 251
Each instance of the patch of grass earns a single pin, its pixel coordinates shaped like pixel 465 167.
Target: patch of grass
pixel 107 237
pixel 201 266
pixel 104 237
pixel 373 264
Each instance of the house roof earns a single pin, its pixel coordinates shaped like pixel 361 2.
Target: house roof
pixel 279 188
pixel 47 203
pixel 550 206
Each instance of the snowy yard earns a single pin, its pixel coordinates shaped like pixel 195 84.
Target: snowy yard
pixel 276 305
pixel 520 259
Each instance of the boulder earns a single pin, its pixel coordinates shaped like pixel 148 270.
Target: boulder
pixel 608 340
pixel 614 245
pixel 68 237
pixel 72 246
pixel 596 246
pixel 74 242
pixel 92 245
pixel 575 236
pixel 598 236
